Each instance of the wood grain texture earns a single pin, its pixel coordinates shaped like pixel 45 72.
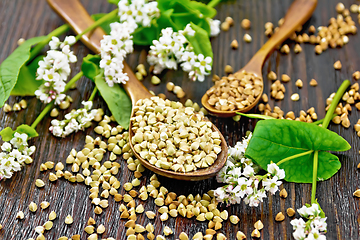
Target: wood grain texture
pixel 29 18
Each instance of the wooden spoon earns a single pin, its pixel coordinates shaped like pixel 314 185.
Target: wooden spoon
pixel 73 12
pixel 298 13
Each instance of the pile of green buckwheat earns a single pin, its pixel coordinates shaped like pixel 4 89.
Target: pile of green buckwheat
pixel 174 137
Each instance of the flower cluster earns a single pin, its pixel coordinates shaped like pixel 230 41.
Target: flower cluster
pixel 239 174
pixel 138 11
pixel 173 48
pixel 54 69
pixel 114 48
pixel 14 154
pixel 314 227
pixel 74 121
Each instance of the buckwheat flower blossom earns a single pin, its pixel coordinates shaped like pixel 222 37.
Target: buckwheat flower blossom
pixel 74 121
pixel 314 228
pixel 55 69
pixel 241 180
pixel 14 154
pixel 214 26
pixel 139 11
pixel 271 184
pixel 114 48
pixel 173 48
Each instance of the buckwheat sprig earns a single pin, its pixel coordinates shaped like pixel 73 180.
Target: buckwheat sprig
pixel 114 48
pixel 54 69
pixel 118 44
pixel 241 180
pixel 14 154
pixel 173 48
pixel 314 228
pixel 75 120
pixel 140 11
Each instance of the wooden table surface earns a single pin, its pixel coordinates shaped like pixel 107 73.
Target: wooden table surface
pixel 29 18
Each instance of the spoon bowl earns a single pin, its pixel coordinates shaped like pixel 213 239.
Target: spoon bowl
pixel 298 13
pixel 78 18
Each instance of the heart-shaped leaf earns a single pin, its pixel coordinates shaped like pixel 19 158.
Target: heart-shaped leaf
pixel 7 133
pixel 90 66
pixel 11 66
pixel 27 129
pixel 27 84
pixel 117 100
pixel 276 140
pixel 200 41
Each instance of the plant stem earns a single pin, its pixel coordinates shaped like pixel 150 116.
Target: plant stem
pixel 98 22
pixel 42 114
pixel 294 156
pixel 334 103
pixel 314 180
pixel 73 80
pixel 329 115
pixel 93 94
pixel 50 105
pixel 213 3
pixel 57 32
pixel 318 122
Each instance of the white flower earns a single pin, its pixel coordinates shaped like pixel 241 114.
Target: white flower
pixel 19 140
pixel 248 171
pixel 246 184
pixel 54 43
pixel 319 223
pixel 254 199
pixel 138 11
pixel 244 187
pixel 314 228
pixel 14 154
pixel 87 104
pixel 315 235
pixel 69 40
pixel 74 121
pixel 274 170
pixel 55 70
pixel 6 147
pixel 214 26
pixel 172 49
pixel 313 210
pixel 271 184
pixel 114 48
pixel 188 30
pixel 203 63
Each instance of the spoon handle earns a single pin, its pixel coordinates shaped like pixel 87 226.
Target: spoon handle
pixel 298 13
pixel 74 13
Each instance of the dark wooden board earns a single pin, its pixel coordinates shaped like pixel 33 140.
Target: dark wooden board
pixel 29 18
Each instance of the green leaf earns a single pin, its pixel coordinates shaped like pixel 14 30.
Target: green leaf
pixel 7 134
pixel 202 8
pixel 145 35
pixel 117 100
pixel 141 36
pixel 276 140
pixel 173 13
pixel 114 1
pixel 24 128
pixel 10 67
pixel 106 24
pixel 256 116
pixel 200 41
pixel 90 66
pixel 27 84
pixel 186 11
